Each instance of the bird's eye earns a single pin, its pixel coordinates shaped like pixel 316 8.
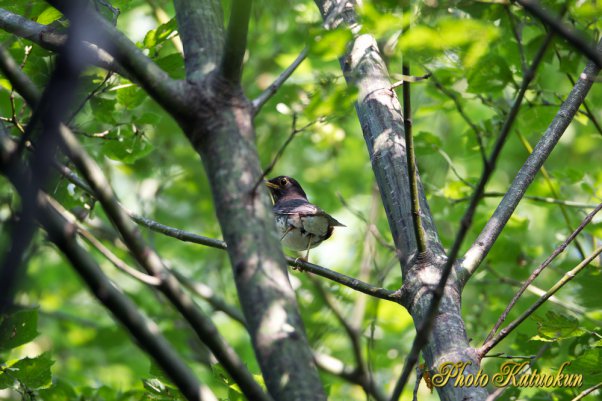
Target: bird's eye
pixel 283 181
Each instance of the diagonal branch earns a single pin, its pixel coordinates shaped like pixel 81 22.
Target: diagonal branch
pixel 236 40
pixel 489 167
pixel 568 276
pixel 539 269
pixel 150 261
pixel 49 38
pixel 62 233
pixel 477 252
pixel 278 82
pixel 575 38
pixel 182 235
pixel 420 235
pixel 169 93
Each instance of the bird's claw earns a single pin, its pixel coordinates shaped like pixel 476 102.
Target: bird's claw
pixel 296 265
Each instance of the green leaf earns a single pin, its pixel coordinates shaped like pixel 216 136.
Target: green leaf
pixel 59 391
pixel 157 36
pixel 130 96
pixel 32 373
pixel 49 15
pixel 18 328
pixel 557 326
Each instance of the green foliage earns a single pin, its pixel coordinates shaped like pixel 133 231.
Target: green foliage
pixel 65 346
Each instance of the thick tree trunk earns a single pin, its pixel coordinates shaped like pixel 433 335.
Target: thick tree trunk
pixel 221 131
pixel 381 118
pixel 226 143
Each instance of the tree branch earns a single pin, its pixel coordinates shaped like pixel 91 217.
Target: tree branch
pixel 150 261
pixel 51 39
pixel 146 333
pixel 182 235
pixel 20 82
pixel 419 234
pixel 555 24
pixel 514 324
pixel 236 40
pixel 542 199
pixel 278 82
pixel 539 269
pixel 586 392
pixel 169 93
pixel 477 252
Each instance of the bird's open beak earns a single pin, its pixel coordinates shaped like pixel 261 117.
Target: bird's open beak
pixel 271 185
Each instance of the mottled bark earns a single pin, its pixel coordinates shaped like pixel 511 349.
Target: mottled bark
pixel 381 119
pixel 222 132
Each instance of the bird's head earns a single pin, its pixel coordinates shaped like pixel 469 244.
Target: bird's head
pixel 284 186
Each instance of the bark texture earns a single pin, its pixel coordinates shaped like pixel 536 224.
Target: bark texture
pixel 381 119
pixel 221 131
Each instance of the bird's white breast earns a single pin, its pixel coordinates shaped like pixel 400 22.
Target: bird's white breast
pixel 303 230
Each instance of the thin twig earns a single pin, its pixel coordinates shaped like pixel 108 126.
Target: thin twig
pixel 424 328
pixel 555 194
pixel 104 251
pixel 586 392
pixel 419 234
pixel 539 269
pixel 278 82
pixel 90 95
pixel 481 246
pixel 460 108
pixel 402 78
pixel 487 346
pixel 280 152
pixel 574 37
pixel 542 199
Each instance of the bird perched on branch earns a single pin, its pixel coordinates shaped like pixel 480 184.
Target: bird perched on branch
pixel 302 225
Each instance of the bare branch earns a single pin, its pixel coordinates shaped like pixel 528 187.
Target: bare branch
pixel 186 236
pixel 171 94
pixel 586 392
pixel 150 261
pixel 236 40
pixel 51 39
pixel 542 199
pixel 20 82
pixel 421 242
pixel 278 82
pixel 555 24
pixel 62 233
pixel 537 271
pixel 568 276
pixel 477 252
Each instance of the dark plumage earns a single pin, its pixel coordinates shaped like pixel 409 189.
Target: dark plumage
pixel 302 225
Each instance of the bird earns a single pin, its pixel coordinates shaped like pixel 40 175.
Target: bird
pixel 301 224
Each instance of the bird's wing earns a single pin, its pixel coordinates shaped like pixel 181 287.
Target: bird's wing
pixel 296 206
pixel 303 208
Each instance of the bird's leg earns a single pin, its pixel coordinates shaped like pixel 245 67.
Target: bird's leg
pixel 308 248
pixel 288 230
pixel 306 258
